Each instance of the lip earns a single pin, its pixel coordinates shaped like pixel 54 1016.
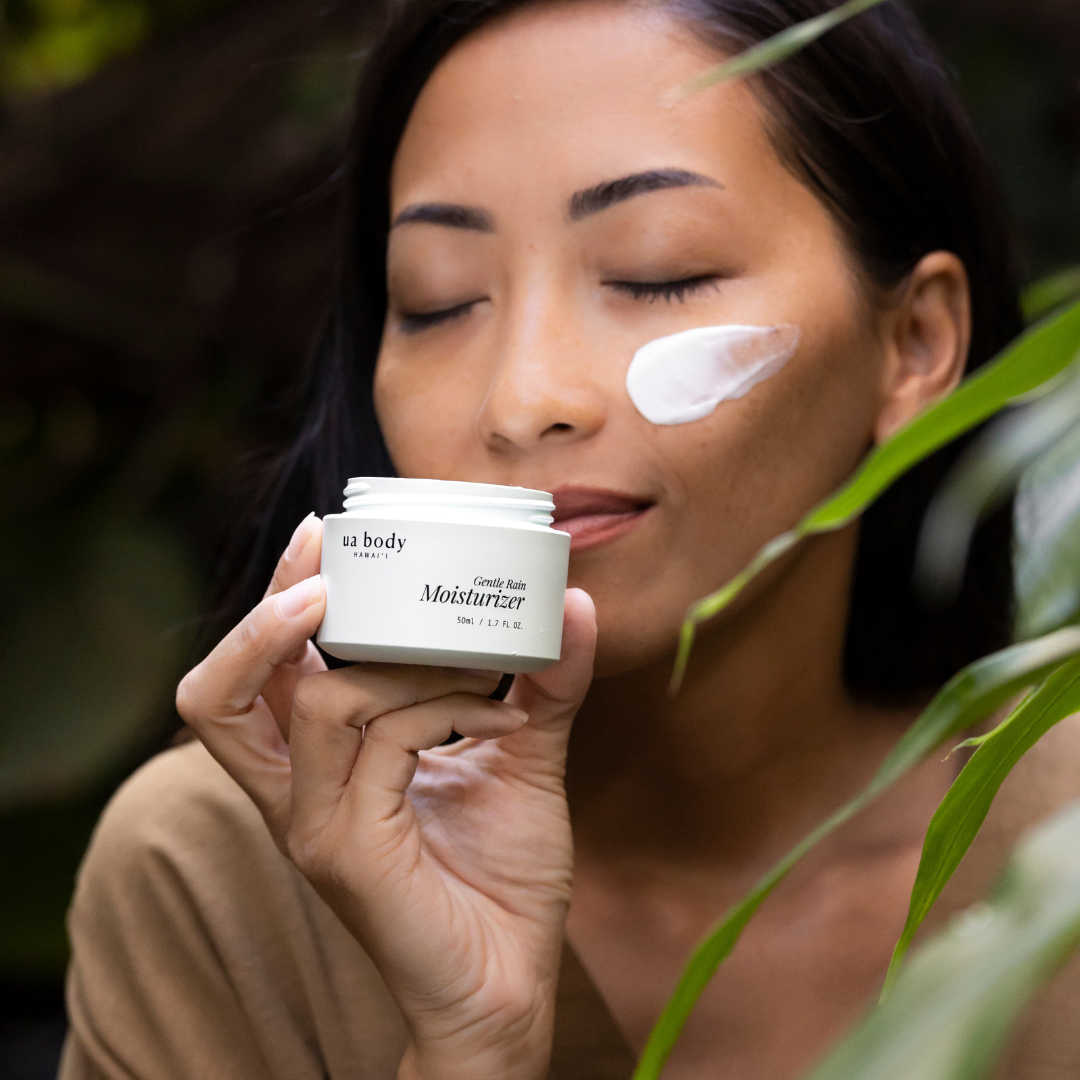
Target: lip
pixel 595 516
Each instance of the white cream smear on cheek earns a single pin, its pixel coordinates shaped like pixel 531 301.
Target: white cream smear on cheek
pixel 683 377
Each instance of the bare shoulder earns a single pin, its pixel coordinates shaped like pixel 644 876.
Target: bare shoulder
pixel 1046 1042
pixel 1044 780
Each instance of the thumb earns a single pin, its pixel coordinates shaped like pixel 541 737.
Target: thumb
pixel 552 696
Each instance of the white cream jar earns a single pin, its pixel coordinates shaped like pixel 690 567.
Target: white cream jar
pixel 444 572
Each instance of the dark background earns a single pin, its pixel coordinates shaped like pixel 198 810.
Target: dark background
pixel 169 208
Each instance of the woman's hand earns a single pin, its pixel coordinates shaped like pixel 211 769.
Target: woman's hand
pixel 451 865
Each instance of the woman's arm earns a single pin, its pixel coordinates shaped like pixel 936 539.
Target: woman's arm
pixel 451 865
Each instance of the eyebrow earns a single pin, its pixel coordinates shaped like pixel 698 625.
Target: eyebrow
pixel 582 203
pixel 593 200
pixel 449 214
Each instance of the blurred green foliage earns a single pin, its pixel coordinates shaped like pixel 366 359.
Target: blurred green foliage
pixel 48 44
pixel 168 236
pixel 1048 538
pixel 1051 292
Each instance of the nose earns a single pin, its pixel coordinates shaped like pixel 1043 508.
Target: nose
pixel 545 389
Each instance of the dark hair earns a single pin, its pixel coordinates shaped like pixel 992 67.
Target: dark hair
pixel 869 120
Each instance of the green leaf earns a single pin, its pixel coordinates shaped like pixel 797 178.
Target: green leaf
pixel 967 698
pixel 1036 357
pixel 1046 557
pixel 983 479
pixel 965 806
pixel 956 1001
pixel 778 47
pixel 1051 292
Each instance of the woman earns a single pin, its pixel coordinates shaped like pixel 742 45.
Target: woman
pixel 321 887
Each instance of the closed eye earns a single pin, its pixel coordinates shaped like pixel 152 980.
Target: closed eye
pixel 665 290
pixel 421 320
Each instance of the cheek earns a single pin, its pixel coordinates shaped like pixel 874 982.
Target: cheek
pixel 427 419
pixel 402 401
pixel 815 426
pixel 819 413
pixel 753 467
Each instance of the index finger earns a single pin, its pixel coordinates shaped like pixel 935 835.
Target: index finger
pixel 220 698
pixel 300 560
pixel 229 680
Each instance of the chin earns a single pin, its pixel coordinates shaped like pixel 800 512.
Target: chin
pixel 630 636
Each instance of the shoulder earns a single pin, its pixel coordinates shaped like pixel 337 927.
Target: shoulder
pixel 180 860
pixel 181 805
pixel 179 843
pixel 183 784
pixel 1046 1042
pixel 195 942
pixel 1045 779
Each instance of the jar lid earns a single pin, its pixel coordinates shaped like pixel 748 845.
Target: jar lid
pixel 365 491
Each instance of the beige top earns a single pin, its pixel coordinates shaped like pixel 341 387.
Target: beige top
pixel 200 952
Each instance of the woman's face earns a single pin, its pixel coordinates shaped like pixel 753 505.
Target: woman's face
pixel 522 280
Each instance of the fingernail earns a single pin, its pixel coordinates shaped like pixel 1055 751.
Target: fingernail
pixel 520 715
pixel 300 597
pixel 299 537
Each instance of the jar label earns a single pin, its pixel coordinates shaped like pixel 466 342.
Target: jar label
pixel 431 587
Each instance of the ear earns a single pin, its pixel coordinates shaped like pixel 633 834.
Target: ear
pixel 928 336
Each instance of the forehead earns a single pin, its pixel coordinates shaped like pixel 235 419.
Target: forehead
pixel 563 95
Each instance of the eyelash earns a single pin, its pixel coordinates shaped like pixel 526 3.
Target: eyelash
pixel 638 290
pixel 665 290
pixel 413 324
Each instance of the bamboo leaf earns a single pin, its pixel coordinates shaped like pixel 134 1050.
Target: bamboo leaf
pixel 991 468
pixel 965 806
pixel 984 477
pixel 1046 557
pixel 776 48
pixel 1037 356
pixel 955 1002
pixel 967 698
pixel 1051 292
